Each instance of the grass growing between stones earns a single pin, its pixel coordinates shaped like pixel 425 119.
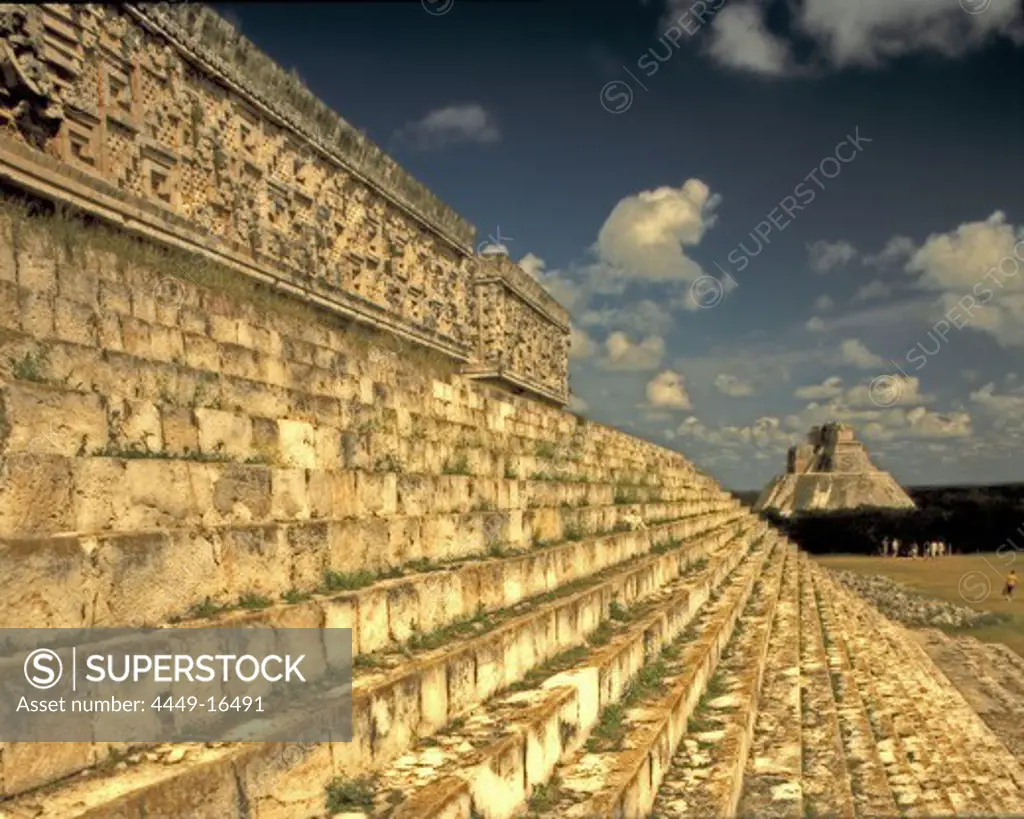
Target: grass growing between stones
pixel 350 795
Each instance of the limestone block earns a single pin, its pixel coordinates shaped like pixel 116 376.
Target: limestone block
pixel 238 361
pixel 167 343
pixel 136 425
pixel 404 541
pixel 179 430
pixel 201 353
pixel 136 337
pixel 10 315
pixel 222 328
pixel 37 265
pixel 48 584
pixel 36 494
pixel 297 443
pixel 256 559
pixel 45 419
pixel 224 433
pixel 158 494
pixel 289 494
pixel 242 493
pixel 327 442
pixel 36 311
pixel 321 494
pixel 352 542
pixel 148 572
pixel 377 493
pixel 143 303
pixel 99 501
pixel 115 297
pixel 27 765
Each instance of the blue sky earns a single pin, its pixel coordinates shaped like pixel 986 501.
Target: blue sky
pixel 630 152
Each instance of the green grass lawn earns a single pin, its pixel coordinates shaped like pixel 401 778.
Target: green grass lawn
pixel 971 580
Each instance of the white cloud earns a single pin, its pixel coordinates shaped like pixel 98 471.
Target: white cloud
pixel 977 272
pixel 866 33
pixel 740 40
pixel 645 235
pixel 826 256
pixel 872 290
pixel 892 390
pixel 765 433
pixel 830 388
pixel 1006 408
pixel 854 353
pixel 644 316
pixel 918 309
pixel 732 386
pixel 453 125
pixel 898 249
pixel 581 345
pixel 815 324
pixel 624 354
pixel 668 390
pixel 823 304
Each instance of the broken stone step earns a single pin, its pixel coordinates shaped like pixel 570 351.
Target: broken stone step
pixel 826 782
pixel 68 581
pixel 773 780
pixel 37 767
pixel 875 715
pixel 389 709
pixel 664 769
pixel 944 726
pixel 496 780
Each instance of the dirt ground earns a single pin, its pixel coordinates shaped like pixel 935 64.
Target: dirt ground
pixel 971 580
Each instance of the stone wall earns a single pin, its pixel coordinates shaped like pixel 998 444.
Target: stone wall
pixel 171 124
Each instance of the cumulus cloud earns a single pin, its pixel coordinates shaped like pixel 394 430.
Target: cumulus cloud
pixel 823 304
pixel 667 390
pixel 815 324
pixel 825 256
pixel 453 125
pixel 1006 409
pixel 842 34
pixel 765 432
pixel 872 290
pixel 643 316
pixel 624 354
pixel 581 345
pixel 896 251
pixel 830 388
pixel 733 386
pixel 976 270
pixel 853 352
pixel 645 235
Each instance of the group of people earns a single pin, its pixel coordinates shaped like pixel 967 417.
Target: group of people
pixel 933 548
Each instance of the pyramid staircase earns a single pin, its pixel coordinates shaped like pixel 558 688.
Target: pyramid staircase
pixel 549 617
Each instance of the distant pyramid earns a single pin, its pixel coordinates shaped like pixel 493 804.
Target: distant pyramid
pixel 831 471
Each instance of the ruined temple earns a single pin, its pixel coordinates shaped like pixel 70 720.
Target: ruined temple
pixel 831 471
pixel 253 375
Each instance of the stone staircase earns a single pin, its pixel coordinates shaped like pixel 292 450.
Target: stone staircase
pixel 549 617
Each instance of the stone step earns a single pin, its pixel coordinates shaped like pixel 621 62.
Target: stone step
pixel 494 777
pixel 773 780
pixel 177 409
pixel 150 577
pixel 391 707
pixel 46 494
pixel 953 752
pixel 704 777
pixel 826 786
pixel 863 727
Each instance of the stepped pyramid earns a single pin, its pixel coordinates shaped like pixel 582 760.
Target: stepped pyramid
pixel 831 471
pixel 546 614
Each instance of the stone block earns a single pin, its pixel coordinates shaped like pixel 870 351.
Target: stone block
pixel 179 431
pixel 36 309
pixel 45 419
pixel 289 494
pixel 224 433
pixel 256 559
pixel 296 443
pixel 36 495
